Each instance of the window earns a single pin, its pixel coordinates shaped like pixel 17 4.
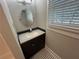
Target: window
pixel 63 12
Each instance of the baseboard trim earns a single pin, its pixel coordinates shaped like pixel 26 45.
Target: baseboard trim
pixel 52 53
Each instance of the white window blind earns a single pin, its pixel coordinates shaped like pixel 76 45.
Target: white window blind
pixel 63 12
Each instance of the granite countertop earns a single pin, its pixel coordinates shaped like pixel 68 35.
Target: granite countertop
pixel 30 35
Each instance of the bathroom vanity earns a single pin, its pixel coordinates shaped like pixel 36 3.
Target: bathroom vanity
pixel 32 42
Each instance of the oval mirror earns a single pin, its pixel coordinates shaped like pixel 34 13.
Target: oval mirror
pixel 26 17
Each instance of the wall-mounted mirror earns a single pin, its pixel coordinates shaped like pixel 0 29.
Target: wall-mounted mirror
pixel 26 17
pixel 22 13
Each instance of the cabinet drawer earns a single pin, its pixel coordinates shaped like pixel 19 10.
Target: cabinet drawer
pixel 31 47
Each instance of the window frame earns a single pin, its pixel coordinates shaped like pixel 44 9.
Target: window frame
pixel 71 28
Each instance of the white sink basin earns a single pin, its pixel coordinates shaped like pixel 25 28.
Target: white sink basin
pixel 30 35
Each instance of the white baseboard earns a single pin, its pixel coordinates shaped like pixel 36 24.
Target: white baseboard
pixel 52 53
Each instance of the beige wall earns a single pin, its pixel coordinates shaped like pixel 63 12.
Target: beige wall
pixel 15 9
pixel 66 47
pixel 8 32
pixel 5 52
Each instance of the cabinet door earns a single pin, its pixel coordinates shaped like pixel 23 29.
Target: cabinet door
pixel 33 46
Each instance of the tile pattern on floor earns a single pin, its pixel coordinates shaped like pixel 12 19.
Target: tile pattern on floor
pixel 46 53
pixel 43 54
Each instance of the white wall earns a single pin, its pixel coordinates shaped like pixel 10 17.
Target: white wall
pixel 15 10
pixel 41 7
pixel 39 13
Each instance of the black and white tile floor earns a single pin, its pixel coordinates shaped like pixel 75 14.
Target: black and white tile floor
pixel 45 54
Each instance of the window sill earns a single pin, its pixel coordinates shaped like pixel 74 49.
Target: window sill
pixel 65 30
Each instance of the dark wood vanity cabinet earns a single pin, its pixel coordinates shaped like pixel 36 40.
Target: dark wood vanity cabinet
pixel 32 46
